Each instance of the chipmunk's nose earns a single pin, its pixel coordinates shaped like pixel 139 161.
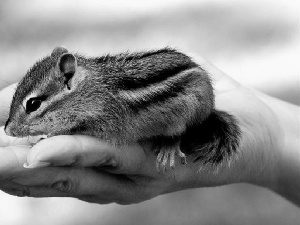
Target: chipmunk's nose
pixel 7 121
pixel 8 129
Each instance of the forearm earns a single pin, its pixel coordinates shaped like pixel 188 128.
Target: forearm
pixel 288 178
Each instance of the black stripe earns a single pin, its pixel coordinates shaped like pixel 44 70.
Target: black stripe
pixel 154 98
pixel 150 53
pixel 144 69
pixel 132 83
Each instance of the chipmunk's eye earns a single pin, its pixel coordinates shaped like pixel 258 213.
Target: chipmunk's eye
pixel 33 104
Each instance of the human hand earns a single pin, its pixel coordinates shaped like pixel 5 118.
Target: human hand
pixel 88 169
pixel 93 171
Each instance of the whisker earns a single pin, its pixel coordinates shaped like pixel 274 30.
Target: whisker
pixel 5 82
pixel 28 139
pixel 15 139
pixel 32 139
pixel 9 84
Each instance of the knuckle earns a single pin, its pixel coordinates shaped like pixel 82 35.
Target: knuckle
pixel 77 161
pixel 107 161
pixel 69 185
pixel 19 192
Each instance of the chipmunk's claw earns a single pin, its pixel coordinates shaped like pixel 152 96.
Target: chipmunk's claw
pixel 182 156
pixel 167 148
pixel 168 155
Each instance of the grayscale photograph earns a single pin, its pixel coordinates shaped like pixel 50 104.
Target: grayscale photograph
pixel 153 112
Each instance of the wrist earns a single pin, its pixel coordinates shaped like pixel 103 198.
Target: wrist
pixel 198 175
pixel 287 171
pixel 288 183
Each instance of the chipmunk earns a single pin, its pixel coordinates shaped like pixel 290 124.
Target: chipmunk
pixel 162 96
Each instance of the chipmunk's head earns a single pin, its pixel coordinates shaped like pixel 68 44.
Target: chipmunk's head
pixel 46 100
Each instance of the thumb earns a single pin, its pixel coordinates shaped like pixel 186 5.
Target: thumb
pixel 86 151
pixel 75 150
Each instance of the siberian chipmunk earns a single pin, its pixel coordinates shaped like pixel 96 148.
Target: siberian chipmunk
pixel 159 96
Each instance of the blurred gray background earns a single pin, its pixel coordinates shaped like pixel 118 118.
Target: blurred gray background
pixel 255 42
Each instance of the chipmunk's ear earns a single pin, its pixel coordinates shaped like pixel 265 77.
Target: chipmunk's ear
pixel 67 63
pixel 58 51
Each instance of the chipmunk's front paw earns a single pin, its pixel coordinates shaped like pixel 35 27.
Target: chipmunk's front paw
pixel 168 155
pixel 167 148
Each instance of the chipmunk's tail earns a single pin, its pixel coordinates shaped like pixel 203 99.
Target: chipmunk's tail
pixel 215 139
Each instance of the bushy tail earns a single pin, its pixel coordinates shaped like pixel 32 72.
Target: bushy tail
pixel 215 139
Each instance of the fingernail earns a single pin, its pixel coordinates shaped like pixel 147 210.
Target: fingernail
pixel 36 165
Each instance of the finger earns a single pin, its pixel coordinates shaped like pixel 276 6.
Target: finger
pixel 79 150
pixel 12 188
pixel 12 159
pixel 6 95
pixel 77 182
pixel 20 190
pixel 37 192
pixel 68 150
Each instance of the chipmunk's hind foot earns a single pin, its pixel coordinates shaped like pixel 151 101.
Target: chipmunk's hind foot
pixel 167 148
pixel 218 139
